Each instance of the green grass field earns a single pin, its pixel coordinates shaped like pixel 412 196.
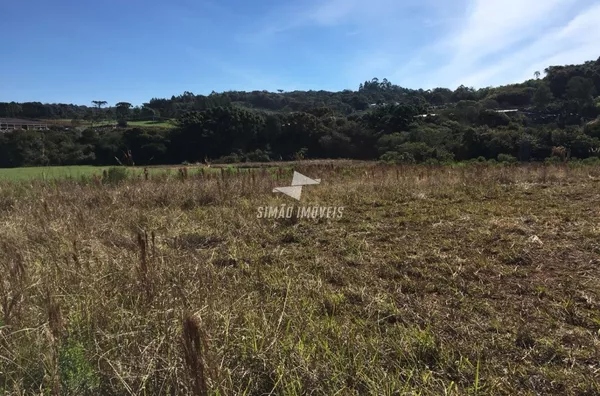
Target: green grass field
pixel 157 124
pixel 49 172
pixel 66 172
pixel 152 124
pixel 77 172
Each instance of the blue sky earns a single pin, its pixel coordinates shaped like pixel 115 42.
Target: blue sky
pixel 71 51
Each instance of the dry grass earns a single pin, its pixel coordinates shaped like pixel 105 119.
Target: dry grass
pixel 436 281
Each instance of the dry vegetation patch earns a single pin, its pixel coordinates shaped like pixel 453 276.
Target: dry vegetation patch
pixel 476 280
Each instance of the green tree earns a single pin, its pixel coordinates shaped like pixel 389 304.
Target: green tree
pixel 14 109
pixel 98 104
pixel 136 112
pixel 463 93
pixel 542 97
pixel 122 110
pixel 149 112
pixel 580 89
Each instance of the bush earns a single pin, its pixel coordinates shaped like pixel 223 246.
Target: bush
pixel 552 160
pixel 77 374
pixel 301 154
pixel 493 119
pixel 115 175
pixel 591 161
pixel 507 158
pixel 228 159
pixel 443 155
pixel 432 162
pixel 258 156
pixel 394 157
pixel 122 123
pixel 593 128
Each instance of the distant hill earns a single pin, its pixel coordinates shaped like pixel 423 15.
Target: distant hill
pixel 571 82
pixel 547 117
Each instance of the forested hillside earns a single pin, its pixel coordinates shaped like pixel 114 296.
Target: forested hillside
pixel 556 108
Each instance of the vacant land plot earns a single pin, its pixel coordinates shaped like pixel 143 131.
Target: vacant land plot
pixel 479 280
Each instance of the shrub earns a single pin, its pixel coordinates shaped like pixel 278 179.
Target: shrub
pixel 443 155
pixel 493 119
pixel 77 374
pixel 395 157
pixel 228 159
pixel 591 161
pixel 507 158
pixel 115 175
pixel 552 160
pixel 122 123
pixel 593 128
pixel 301 154
pixel 432 162
pixel 258 156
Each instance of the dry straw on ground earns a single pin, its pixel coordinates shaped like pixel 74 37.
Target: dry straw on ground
pixel 474 280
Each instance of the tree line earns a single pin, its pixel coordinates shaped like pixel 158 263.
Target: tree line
pixel 378 121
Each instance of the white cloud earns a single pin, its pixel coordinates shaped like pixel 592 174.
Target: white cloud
pixel 496 43
pixel 429 43
pixel 492 26
pixel 575 42
pixel 371 16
